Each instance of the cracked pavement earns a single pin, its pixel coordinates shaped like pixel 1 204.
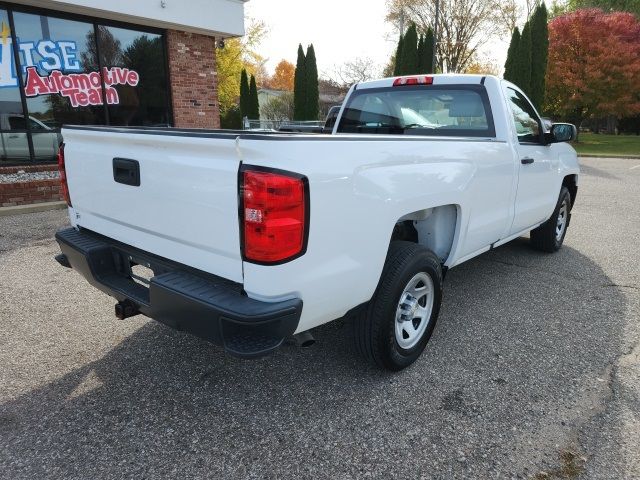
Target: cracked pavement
pixel 533 372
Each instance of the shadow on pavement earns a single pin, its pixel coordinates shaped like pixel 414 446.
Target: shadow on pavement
pixel 521 340
pixel 596 172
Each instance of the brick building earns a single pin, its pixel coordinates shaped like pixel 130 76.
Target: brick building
pixel 117 63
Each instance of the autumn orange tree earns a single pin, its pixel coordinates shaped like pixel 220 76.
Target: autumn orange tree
pixel 282 78
pixel 594 65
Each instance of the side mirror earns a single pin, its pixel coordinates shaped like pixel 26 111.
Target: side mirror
pixel 562 132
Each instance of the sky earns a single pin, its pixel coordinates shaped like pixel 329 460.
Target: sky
pixel 340 30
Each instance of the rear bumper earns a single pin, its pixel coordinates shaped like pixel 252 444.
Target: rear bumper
pixel 204 305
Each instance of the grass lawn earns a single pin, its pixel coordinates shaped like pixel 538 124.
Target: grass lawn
pixel 610 145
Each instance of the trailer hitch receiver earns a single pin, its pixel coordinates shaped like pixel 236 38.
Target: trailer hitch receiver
pixel 126 309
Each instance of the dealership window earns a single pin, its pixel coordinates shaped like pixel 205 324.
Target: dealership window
pixel 13 131
pixel 74 71
pixel 145 102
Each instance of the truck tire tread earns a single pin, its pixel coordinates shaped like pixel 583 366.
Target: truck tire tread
pixel 371 340
pixel 543 238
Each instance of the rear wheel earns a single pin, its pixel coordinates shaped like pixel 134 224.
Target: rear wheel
pixel 549 236
pixel 395 327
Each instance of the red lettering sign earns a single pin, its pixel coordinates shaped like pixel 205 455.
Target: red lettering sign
pixel 82 89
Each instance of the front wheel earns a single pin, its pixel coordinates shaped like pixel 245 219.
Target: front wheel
pixel 549 236
pixel 395 327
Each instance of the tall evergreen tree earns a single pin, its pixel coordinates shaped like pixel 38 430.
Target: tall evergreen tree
pixel 254 105
pixel 410 51
pixel 397 70
pixel 523 64
pixel 539 54
pixel 245 109
pixel 300 87
pixel 509 66
pixel 428 51
pixel 421 57
pixel 313 94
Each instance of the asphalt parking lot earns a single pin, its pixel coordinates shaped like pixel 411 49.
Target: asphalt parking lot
pixel 533 372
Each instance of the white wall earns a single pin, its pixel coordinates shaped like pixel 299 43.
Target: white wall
pixel 221 18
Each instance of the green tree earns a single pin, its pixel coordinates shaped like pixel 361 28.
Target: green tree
pixel 523 60
pixel 539 54
pixel 428 51
pixel 313 93
pixel 409 59
pixel 254 106
pixel 631 6
pixel 389 69
pixel 245 108
pixel 300 87
pixel 509 66
pixel 397 69
pixel 231 119
pixel 421 65
pixel 238 53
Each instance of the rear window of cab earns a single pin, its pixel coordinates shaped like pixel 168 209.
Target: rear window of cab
pixel 432 110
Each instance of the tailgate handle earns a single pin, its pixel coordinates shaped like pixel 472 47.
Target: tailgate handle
pixel 126 171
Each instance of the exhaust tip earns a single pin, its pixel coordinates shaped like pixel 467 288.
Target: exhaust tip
pixel 304 339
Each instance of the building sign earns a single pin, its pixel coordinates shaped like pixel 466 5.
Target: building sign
pixel 64 74
pixel 81 89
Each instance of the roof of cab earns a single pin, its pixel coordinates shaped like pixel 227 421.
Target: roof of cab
pixel 438 79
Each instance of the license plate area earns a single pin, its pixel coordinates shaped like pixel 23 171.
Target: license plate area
pixel 136 268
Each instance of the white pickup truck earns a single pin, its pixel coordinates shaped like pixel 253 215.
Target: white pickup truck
pixel 246 239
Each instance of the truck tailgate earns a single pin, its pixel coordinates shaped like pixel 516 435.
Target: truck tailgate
pixel 185 207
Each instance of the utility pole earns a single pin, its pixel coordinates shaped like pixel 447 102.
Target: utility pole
pixel 435 34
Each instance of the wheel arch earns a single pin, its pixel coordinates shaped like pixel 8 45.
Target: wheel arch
pixel 571 182
pixel 435 228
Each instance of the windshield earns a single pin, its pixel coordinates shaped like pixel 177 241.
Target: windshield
pixel 424 110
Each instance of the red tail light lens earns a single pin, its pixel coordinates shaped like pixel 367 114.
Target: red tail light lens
pixel 64 187
pixel 274 216
pixel 406 81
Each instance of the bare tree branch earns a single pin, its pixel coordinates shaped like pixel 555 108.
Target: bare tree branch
pixel 356 70
pixel 464 25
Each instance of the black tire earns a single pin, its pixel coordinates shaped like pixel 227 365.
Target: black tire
pixel 545 238
pixel 374 326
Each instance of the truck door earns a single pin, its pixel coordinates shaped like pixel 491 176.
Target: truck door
pixel 536 195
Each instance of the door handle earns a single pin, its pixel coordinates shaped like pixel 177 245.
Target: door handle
pixel 527 160
pixel 126 171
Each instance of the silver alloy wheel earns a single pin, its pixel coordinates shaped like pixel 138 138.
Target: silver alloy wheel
pixel 561 224
pixel 414 310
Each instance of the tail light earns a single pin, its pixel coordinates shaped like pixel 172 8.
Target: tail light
pixel 406 81
pixel 64 187
pixel 274 215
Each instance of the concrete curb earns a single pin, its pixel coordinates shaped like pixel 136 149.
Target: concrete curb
pixel 593 155
pixel 33 208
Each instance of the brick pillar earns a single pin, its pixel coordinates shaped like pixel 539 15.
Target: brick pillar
pixel 194 80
